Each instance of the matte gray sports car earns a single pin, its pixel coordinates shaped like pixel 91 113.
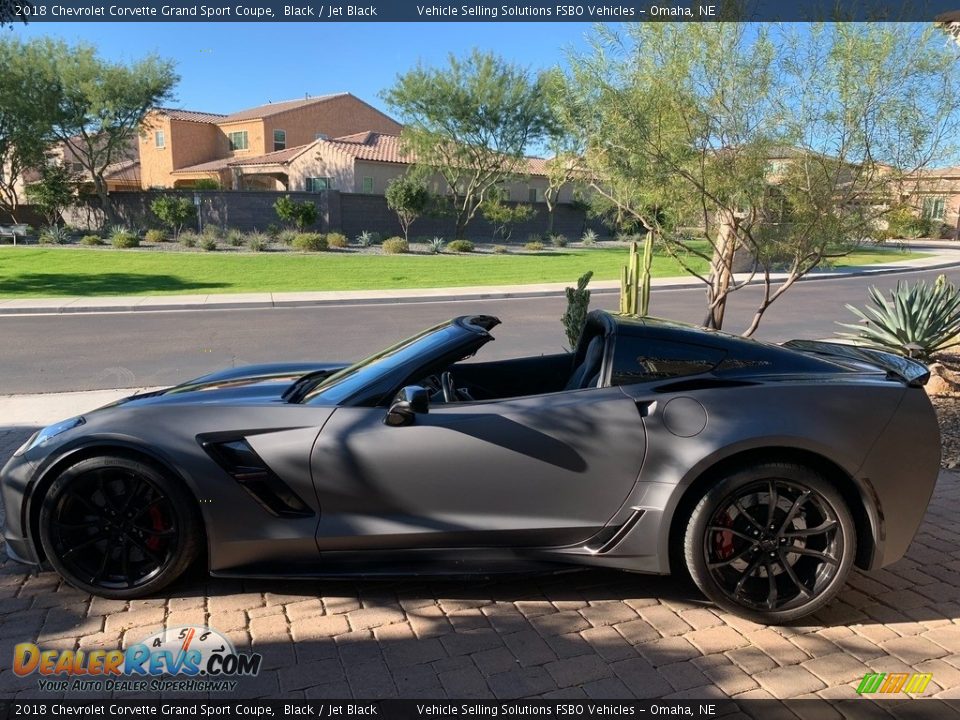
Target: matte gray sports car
pixel 764 471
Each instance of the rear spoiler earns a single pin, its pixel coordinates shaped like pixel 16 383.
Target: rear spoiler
pixel 912 372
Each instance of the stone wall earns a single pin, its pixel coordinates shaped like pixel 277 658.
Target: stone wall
pixel 350 213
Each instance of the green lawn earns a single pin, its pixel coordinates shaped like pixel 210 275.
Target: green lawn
pixel 52 272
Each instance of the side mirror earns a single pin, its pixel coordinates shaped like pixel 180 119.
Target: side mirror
pixel 410 401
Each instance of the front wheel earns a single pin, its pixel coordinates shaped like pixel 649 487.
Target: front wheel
pixel 772 543
pixel 118 528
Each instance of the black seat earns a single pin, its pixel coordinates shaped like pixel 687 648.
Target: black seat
pixel 589 369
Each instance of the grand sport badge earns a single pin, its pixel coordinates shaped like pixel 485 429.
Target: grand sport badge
pixel 205 656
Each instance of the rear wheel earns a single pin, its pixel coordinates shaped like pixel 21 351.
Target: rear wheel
pixel 772 543
pixel 118 528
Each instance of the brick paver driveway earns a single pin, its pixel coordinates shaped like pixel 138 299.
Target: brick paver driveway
pixel 596 634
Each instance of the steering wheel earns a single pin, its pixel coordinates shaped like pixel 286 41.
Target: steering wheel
pixel 449 389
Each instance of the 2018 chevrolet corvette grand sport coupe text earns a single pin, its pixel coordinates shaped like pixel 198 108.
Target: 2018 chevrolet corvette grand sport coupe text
pixel 766 472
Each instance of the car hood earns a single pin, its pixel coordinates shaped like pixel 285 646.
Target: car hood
pixel 251 383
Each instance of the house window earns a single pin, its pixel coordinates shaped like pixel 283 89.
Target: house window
pixel 279 140
pixel 238 140
pixel 159 139
pixel 933 208
pixel 532 195
pixel 316 184
pixel 367 185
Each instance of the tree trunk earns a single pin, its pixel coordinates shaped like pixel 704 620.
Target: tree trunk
pixel 100 186
pixel 550 217
pixel 721 270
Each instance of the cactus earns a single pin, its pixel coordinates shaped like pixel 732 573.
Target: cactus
pixel 635 279
pixel 578 304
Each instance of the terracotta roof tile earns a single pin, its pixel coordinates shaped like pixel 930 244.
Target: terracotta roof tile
pixel 191 115
pixel 278 156
pixel 269 109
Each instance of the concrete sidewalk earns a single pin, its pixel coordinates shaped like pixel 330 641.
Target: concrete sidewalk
pixel 943 254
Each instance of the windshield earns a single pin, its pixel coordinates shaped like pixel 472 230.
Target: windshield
pixel 341 385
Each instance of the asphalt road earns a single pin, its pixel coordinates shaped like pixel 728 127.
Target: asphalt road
pixel 56 353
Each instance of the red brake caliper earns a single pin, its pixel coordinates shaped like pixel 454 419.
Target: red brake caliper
pixel 723 544
pixel 157 522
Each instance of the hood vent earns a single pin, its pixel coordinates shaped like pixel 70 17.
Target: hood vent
pixel 255 476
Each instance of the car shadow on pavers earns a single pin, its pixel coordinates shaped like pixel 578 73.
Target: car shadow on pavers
pixel 585 634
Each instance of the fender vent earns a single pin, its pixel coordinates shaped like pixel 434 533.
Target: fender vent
pixel 608 539
pixel 255 476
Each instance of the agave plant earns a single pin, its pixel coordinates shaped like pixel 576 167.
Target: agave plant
pixel 918 320
pixel 436 245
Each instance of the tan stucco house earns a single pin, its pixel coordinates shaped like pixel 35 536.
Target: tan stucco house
pixel 180 147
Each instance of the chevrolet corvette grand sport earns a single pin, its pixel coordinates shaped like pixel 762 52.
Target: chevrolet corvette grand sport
pixel 766 472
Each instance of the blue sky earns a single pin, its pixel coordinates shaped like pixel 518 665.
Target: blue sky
pixel 226 67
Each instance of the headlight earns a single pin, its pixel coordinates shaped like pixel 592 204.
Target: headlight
pixel 48 433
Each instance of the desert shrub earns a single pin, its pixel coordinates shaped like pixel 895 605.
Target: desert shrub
pixel 173 211
pixel 258 241
pixel 54 235
pixel 287 236
pixel 208 244
pixel 121 237
pixel 273 230
pixel 91 240
pixel 460 246
pixel 310 242
pixel 189 239
pixel 435 245
pixel 300 214
pixel 155 236
pixel 589 237
pixel 337 240
pixel 533 246
pixel 500 249
pixel 395 246
pixel 558 240
pixel 235 238
pixel 919 320
pixel 213 231
pixel 368 238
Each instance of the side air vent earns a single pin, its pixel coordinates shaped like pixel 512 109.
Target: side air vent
pixel 608 539
pixel 255 476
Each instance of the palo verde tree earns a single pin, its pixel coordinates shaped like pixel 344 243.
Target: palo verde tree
pixel 102 107
pixel 565 146
pixel 29 93
pixel 409 197
pixel 470 123
pixel 780 143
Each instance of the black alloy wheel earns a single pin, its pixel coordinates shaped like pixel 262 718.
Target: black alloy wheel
pixel 773 543
pixel 117 527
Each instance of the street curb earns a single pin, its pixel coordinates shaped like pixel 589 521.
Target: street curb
pixel 493 295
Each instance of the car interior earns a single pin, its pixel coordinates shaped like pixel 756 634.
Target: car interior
pixel 519 377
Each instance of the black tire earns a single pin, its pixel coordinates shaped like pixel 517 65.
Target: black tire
pixel 119 528
pixel 804 548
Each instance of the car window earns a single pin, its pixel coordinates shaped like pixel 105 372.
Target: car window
pixel 637 360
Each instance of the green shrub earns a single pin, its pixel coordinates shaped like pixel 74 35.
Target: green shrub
pixel 121 237
pixel 301 214
pixel 287 236
pixel 54 235
pixel 212 231
pixel 310 242
pixel 337 240
pixel 589 237
pixel 435 245
pixel 273 230
pixel 500 249
pixel 235 238
pixel 558 240
pixel 174 211
pixel 367 238
pixel 395 246
pixel 208 244
pixel 91 240
pixel 533 246
pixel 258 241
pixel 189 239
pixel 460 246
pixel 155 236
pixel 919 320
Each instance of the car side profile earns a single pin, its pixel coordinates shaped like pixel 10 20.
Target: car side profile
pixel 766 472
